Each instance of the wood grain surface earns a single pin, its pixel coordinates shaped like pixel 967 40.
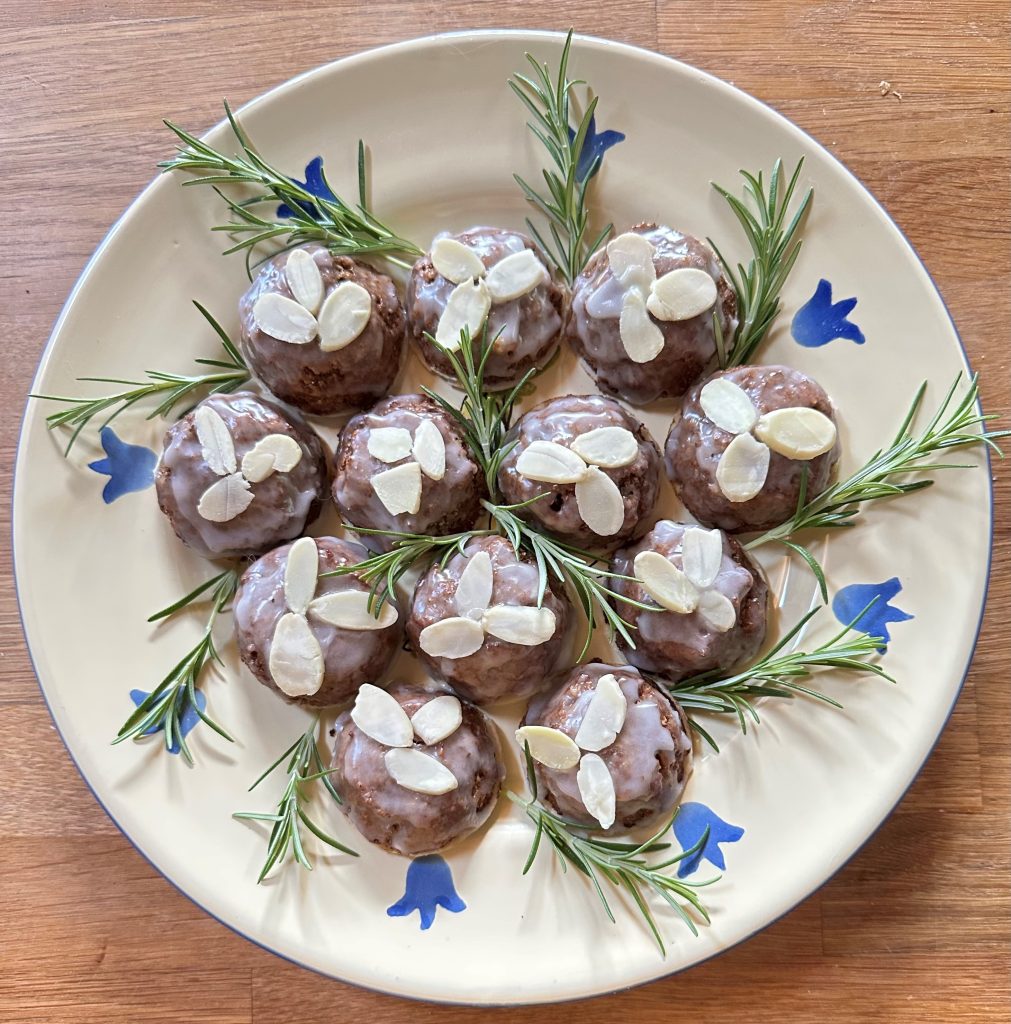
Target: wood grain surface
pixel 916 928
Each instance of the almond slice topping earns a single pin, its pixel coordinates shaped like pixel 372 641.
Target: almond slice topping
pixel 517 274
pixel 681 294
pixel 467 307
pixel 296 661
pixel 630 257
pixel 596 789
pixel 389 444
pixel 349 609
pixel 797 433
pixel 381 717
pixel 477 581
pixel 399 489
pixel 225 499
pixel 518 624
pixel 438 719
pixel 552 747
pixel 456 261
pixel 284 319
pixel 275 453
pixel 604 716
pixel 642 339
pixel 455 637
pixel 743 468
pixel 419 772
pixel 300 575
pixel 728 406
pixel 718 610
pixel 549 462
pixel 610 447
pixel 304 279
pixel 345 314
pixel 216 445
pixel 701 555
pixel 429 450
pixel 665 583
pixel 600 503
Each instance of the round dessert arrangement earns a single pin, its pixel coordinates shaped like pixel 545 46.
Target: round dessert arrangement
pixel 517 624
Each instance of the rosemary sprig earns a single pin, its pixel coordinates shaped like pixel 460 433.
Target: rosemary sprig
pixel 955 424
pixel 775 247
pixel 578 570
pixel 382 571
pixel 564 205
pixel 624 865
pixel 176 694
pixel 226 376
pixel 305 766
pixel 345 228
pixel 483 416
pixel 776 675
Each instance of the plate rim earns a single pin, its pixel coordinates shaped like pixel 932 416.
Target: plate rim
pixel 421 42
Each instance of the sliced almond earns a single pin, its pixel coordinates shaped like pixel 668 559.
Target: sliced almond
pixel 225 499
pixel 477 581
pixel 681 294
pixel 607 446
pixel 798 433
pixel 296 661
pixel 284 319
pixel 718 610
pixel 743 468
pixel 518 624
pixel 300 575
pixel 381 717
pixel 665 583
pixel 419 772
pixel 549 462
pixel 466 308
pixel 399 489
pixel 701 555
pixel 517 274
pixel 596 789
pixel 600 503
pixel 430 450
pixel 437 719
pixel 630 257
pixel 604 716
pixel 275 453
pixel 642 339
pixel 390 444
pixel 454 638
pixel 552 747
pixel 345 314
pixel 349 609
pixel 304 279
pixel 728 406
pixel 216 445
pixel 455 261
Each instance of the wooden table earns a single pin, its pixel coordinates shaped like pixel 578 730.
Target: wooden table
pixel 916 928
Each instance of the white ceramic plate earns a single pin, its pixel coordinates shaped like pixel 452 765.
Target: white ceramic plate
pixel 807 787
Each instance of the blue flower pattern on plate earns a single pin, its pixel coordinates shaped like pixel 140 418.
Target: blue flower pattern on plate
pixel 314 183
pixel 596 144
pixel 189 717
pixel 129 467
pixel 690 826
pixel 429 886
pixel 848 604
pixel 820 320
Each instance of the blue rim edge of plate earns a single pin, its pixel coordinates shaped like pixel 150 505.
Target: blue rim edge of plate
pixel 553 36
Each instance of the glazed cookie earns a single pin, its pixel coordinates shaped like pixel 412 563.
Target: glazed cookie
pixel 238 475
pixel 324 333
